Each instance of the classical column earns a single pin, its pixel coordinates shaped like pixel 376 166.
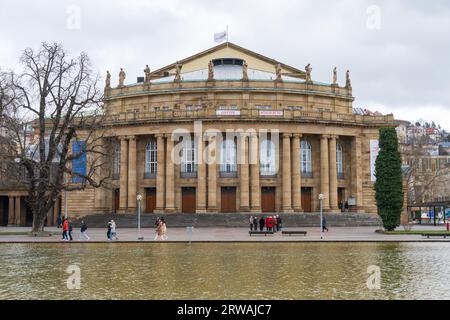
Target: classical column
pixel 11 220
pixel 123 174
pixel 170 176
pixel 356 163
pixel 333 174
pixel 296 174
pixel 18 212
pixel 212 173
pixel 324 172
pixel 201 176
pixel 286 174
pixel 245 180
pixel 132 173
pixel 254 172
pixel 160 173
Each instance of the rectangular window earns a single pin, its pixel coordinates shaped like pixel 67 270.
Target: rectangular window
pixel 79 162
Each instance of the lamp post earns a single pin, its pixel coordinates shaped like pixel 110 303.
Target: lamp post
pixel 139 199
pixel 321 196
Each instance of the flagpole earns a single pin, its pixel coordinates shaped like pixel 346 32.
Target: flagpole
pixel 227 35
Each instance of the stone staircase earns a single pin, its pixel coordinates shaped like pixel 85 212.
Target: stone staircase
pixel 231 220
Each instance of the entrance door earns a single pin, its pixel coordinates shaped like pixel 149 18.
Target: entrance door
pixel 306 199
pixel 150 200
pixel 188 200
pixel 341 193
pixel 228 199
pixel 4 211
pixel 268 199
pixel 116 200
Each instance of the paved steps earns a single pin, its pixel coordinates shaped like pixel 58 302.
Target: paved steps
pixel 231 220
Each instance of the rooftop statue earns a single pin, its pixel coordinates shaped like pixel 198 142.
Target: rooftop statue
pixel 177 72
pixel 245 71
pixel 335 76
pixel 210 71
pixel 308 70
pixel 108 80
pixel 348 83
pixel 147 74
pixel 122 77
pixel 278 72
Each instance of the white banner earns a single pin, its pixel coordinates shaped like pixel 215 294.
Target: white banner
pixel 271 113
pixel 228 112
pixel 374 150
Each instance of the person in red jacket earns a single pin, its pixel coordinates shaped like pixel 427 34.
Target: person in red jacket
pixel 269 223
pixel 65 229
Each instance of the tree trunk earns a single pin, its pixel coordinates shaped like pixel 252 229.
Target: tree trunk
pixel 38 222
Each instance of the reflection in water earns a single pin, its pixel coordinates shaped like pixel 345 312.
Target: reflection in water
pixel 225 271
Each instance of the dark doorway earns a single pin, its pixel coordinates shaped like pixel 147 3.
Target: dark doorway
pixel 341 194
pixel 307 199
pixel 150 200
pixel 4 211
pixel 116 200
pixel 268 199
pixel 228 199
pixel 188 200
pixel 29 213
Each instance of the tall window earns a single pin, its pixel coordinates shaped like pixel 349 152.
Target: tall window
pixel 305 158
pixel 267 158
pixel 79 162
pixel 151 158
pixel 339 161
pixel 188 162
pixel 228 158
pixel 116 173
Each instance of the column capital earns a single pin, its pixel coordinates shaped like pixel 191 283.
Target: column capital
pixel 253 134
pixel 122 138
pixel 297 135
pixel 287 135
pixel 325 136
pixel 334 137
pixel 131 137
pixel 159 135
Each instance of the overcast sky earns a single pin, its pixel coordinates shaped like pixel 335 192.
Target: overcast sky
pixel 398 51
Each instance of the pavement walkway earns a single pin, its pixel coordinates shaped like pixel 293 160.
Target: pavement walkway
pixel 337 234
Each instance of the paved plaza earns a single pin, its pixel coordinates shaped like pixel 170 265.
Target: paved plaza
pixel 350 234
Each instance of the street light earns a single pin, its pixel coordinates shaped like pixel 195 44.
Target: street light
pixel 321 196
pixel 139 199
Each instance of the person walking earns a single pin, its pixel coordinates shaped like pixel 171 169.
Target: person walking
pixel 70 228
pixel 157 228
pixel 83 229
pixel 274 224
pixel 250 221
pixel 108 232
pixel 262 222
pixel 255 223
pixel 279 223
pixel 324 224
pixel 163 229
pixel 269 223
pixel 59 221
pixel 65 226
pixel 113 231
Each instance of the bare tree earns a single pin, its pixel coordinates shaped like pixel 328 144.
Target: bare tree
pixel 58 96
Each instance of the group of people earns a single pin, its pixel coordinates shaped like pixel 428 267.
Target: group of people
pixel 161 229
pixel 67 227
pixel 111 233
pixel 270 223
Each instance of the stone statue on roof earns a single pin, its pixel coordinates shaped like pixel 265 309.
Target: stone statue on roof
pixel 278 72
pixel 108 80
pixel 122 77
pixel 210 71
pixel 147 74
pixel 308 70
pixel 348 83
pixel 177 72
pixel 245 71
pixel 335 76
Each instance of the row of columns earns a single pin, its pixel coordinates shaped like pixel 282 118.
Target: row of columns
pixel 250 188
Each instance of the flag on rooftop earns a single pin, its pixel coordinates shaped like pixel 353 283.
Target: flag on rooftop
pixel 221 36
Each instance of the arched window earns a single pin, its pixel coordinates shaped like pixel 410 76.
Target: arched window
pixel 339 161
pixel 116 173
pixel 151 158
pixel 228 158
pixel 188 157
pixel 305 158
pixel 267 158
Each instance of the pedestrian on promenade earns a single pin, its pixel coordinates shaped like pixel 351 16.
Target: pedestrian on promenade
pixel 108 232
pixel 157 228
pixel 163 229
pixel 279 223
pixel 59 221
pixel 83 229
pixel 324 224
pixel 250 221
pixel 113 235
pixel 262 222
pixel 65 226
pixel 269 223
pixel 255 223
pixel 70 229
pixel 274 224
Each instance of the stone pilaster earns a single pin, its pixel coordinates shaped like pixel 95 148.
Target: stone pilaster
pixel 333 175
pixel 296 174
pixel 356 163
pixel 244 171
pixel 170 176
pixel 11 220
pixel 132 173
pixel 123 174
pixel 286 174
pixel 255 186
pixel 201 176
pixel 324 172
pixel 17 211
pixel 160 174
pixel 212 173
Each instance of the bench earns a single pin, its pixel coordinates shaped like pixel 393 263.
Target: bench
pixel 428 235
pixel 265 233
pixel 294 233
